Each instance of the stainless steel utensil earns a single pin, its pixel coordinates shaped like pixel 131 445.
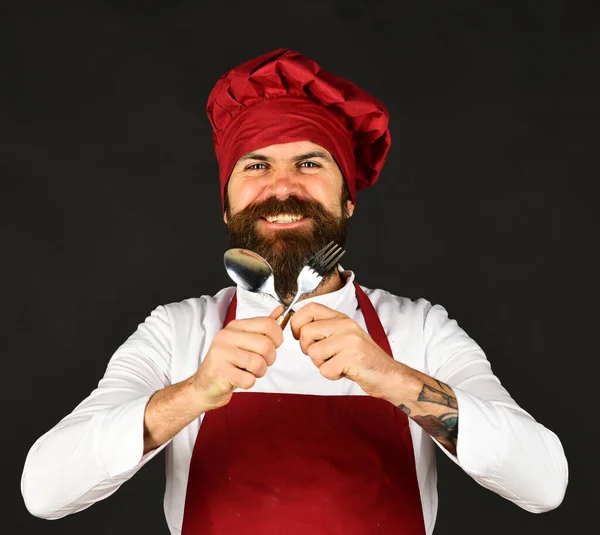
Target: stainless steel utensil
pixel 311 276
pixel 250 271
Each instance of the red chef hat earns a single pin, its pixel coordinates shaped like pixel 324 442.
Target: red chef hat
pixel 281 97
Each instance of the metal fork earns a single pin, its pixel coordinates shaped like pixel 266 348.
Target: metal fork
pixel 311 276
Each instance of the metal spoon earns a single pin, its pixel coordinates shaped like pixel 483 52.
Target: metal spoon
pixel 251 271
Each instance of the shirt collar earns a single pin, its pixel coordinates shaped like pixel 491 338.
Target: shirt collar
pixel 251 304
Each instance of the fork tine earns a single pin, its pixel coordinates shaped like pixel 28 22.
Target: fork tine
pixel 325 250
pixel 324 260
pixel 334 261
pixel 325 265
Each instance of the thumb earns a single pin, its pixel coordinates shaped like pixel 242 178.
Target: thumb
pixel 276 313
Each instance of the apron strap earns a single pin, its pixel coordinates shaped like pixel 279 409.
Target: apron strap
pixel 372 320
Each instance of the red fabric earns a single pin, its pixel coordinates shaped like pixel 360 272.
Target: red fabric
pixel 282 97
pixel 272 464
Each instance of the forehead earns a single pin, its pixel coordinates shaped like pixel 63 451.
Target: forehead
pixel 287 150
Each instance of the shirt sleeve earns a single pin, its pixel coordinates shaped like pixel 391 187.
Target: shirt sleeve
pixel 500 445
pixel 91 452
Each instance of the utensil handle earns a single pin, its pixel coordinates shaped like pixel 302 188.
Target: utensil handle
pixel 287 313
pixel 284 318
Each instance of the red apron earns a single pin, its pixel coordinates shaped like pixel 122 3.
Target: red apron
pixel 271 464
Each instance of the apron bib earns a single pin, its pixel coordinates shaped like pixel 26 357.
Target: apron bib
pixel 290 464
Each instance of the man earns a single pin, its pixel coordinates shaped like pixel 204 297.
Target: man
pixel 329 426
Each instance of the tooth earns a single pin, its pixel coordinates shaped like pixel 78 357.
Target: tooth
pixel 283 218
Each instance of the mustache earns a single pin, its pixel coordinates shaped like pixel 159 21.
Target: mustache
pixel 290 205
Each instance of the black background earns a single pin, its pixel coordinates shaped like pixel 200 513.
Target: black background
pixel 111 203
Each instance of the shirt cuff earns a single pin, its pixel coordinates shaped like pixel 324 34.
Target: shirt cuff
pixel 481 435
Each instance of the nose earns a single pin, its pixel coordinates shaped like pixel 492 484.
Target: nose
pixel 283 184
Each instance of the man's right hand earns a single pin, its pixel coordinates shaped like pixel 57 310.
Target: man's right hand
pixel 239 354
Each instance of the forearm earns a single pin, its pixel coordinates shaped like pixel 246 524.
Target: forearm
pixel 83 459
pixel 100 444
pixel 169 411
pixel 499 445
pixel 429 402
pixel 89 454
pixel 503 448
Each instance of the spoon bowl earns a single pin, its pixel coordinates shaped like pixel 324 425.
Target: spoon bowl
pixel 251 272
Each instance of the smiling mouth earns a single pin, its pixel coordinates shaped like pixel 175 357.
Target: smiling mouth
pixel 283 218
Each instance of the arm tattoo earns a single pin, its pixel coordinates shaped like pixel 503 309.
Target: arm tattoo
pixel 433 395
pixel 443 427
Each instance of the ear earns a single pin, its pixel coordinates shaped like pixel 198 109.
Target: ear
pixel 226 201
pixel 350 207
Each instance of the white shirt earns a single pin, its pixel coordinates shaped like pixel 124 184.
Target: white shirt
pixel 96 448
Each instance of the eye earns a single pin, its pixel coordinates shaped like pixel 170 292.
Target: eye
pixel 256 166
pixel 310 165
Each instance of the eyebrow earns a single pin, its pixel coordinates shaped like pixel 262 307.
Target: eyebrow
pixel 312 154
pixel 300 157
pixel 254 156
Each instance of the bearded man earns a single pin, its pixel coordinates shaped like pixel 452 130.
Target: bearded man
pixel 330 425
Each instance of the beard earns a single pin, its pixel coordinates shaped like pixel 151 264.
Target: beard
pixel 288 250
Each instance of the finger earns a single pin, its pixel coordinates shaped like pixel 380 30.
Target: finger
pixel 319 330
pixel 251 362
pixel 277 312
pixel 324 350
pixel 241 378
pixel 254 343
pixel 266 326
pixel 309 313
pixel 332 369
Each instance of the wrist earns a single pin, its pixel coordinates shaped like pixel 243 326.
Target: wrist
pixel 404 386
pixel 193 396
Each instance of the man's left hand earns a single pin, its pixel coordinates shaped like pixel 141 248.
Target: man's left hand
pixel 339 347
